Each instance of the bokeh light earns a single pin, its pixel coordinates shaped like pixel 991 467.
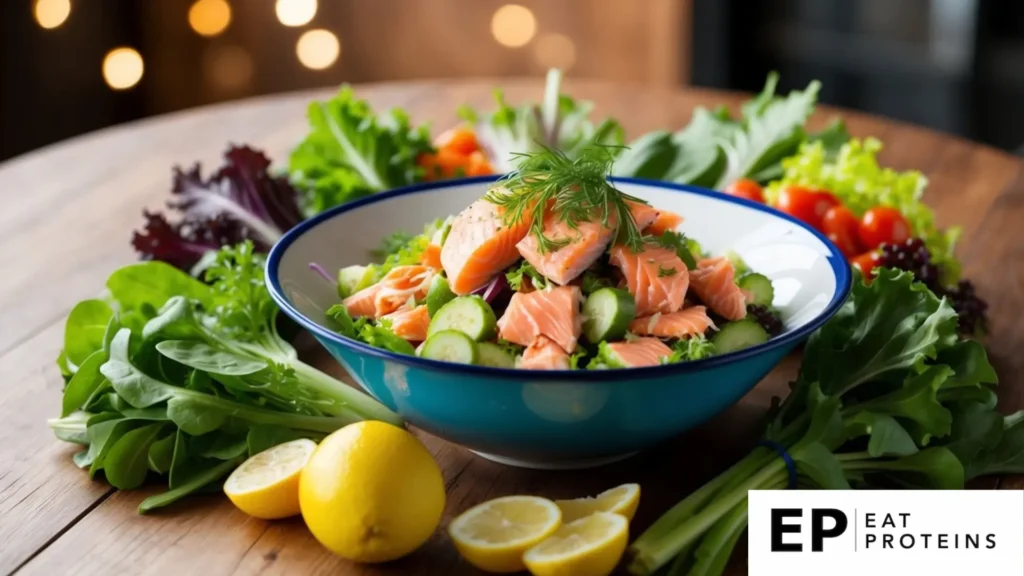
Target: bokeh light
pixel 555 51
pixel 122 68
pixel 295 12
pixel 513 25
pixel 52 13
pixel 318 49
pixel 209 17
pixel 228 68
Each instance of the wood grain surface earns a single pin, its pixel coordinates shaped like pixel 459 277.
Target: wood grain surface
pixel 68 211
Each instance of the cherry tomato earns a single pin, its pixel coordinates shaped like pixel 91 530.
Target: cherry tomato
pixel 866 263
pixel 478 165
pixel 883 225
pixel 805 204
pixel 745 188
pixel 841 227
pixel 451 163
pixel 461 140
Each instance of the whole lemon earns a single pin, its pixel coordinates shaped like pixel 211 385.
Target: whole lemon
pixel 371 492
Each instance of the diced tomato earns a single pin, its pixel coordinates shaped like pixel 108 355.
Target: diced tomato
pixel 841 227
pixel 806 204
pixel 883 225
pixel 463 141
pixel 745 188
pixel 866 263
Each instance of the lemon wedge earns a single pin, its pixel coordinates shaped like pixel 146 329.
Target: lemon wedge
pixel 493 536
pixel 590 546
pixel 267 484
pixel 621 500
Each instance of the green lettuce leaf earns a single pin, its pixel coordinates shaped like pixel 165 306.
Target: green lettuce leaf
pixel 857 180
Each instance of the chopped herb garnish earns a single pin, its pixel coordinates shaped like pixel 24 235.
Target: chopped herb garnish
pixel 663 272
pixel 675 241
pixel 516 276
pixel 576 189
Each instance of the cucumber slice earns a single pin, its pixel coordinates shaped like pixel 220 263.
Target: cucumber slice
pixel 450 346
pixel 351 279
pixel 438 294
pixel 608 312
pixel 441 234
pixel 467 314
pixel 738 265
pixel 760 287
pixel 738 335
pixel 490 354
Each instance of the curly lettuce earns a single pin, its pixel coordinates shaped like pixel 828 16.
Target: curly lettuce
pixel 857 180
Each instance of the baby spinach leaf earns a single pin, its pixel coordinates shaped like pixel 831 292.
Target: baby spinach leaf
pixel 194 417
pixel 131 384
pixel 127 462
pixel 977 430
pixel 71 428
pixel 969 363
pixel 175 320
pixel 193 481
pixel 917 404
pixel 886 437
pixel 1007 457
pixel 84 383
pixel 152 413
pixel 82 459
pixel 103 437
pixel 84 330
pixel 153 283
pixel 160 454
pixel 66 371
pixel 821 465
pixel 204 357
pixel 935 467
pixel 649 156
pixel 223 446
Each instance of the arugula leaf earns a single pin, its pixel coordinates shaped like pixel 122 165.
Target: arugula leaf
pixel 687 349
pixel 381 336
pixel 517 276
pixel 770 133
pixel 351 152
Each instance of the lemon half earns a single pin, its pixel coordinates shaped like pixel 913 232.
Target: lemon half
pixel 493 536
pixel 267 484
pixel 592 545
pixel 622 500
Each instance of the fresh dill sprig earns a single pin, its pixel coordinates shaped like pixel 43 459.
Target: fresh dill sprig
pixel 577 190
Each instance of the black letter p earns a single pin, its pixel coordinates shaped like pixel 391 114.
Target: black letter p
pixel 818 532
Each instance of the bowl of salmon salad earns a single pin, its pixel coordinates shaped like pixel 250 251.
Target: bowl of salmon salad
pixel 556 317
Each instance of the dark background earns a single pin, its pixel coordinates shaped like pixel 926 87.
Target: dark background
pixel 954 65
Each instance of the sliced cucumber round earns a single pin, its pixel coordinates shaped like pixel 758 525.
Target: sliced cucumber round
pixel 608 312
pixel 490 354
pixel 351 279
pixel 738 335
pixel 760 287
pixel 438 294
pixel 470 315
pixel 450 346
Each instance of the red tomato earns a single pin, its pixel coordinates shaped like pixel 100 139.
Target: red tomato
pixel 745 188
pixel 883 225
pixel 805 204
pixel 478 165
pixel 866 263
pixel 841 227
pixel 461 140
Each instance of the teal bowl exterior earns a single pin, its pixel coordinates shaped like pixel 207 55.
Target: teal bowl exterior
pixel 545 419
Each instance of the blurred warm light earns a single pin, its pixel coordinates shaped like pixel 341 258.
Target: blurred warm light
pixel 513 25
pixel 52 13
pixel 122 68
pixel 209 17
pixel 318 49
pixel 295 12
pixel 228 68
pixel 555 51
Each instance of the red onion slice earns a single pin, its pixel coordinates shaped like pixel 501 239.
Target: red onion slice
pixel 322 271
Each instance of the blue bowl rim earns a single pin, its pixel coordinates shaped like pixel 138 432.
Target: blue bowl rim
pixel 836 260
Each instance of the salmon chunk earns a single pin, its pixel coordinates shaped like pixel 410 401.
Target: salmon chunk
pixel 639 352
pixel 544 354
pixel 584 244
pixel 656 278
pixel 395 289
pixel 713 283
pixel 665 221
pixel 682 324
pixel 410 323
pixel 479 246
pixel 553 313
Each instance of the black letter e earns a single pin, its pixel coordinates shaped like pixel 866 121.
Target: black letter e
pixel 779 528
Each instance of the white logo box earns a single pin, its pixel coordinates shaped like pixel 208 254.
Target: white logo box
pixel 933 532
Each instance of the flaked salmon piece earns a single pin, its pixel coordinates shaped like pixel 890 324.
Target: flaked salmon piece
pixel 586 242
pixel 479 246
pixel 682 324
pixel 431 257
pixel 640 352
pixel 395 289
pixel 544 354
pixel 713 282
pixel 410 323
pixel 554 313
pixel 656 278
pixel 665 221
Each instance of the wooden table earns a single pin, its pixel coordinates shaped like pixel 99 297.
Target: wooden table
pixel 66 216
